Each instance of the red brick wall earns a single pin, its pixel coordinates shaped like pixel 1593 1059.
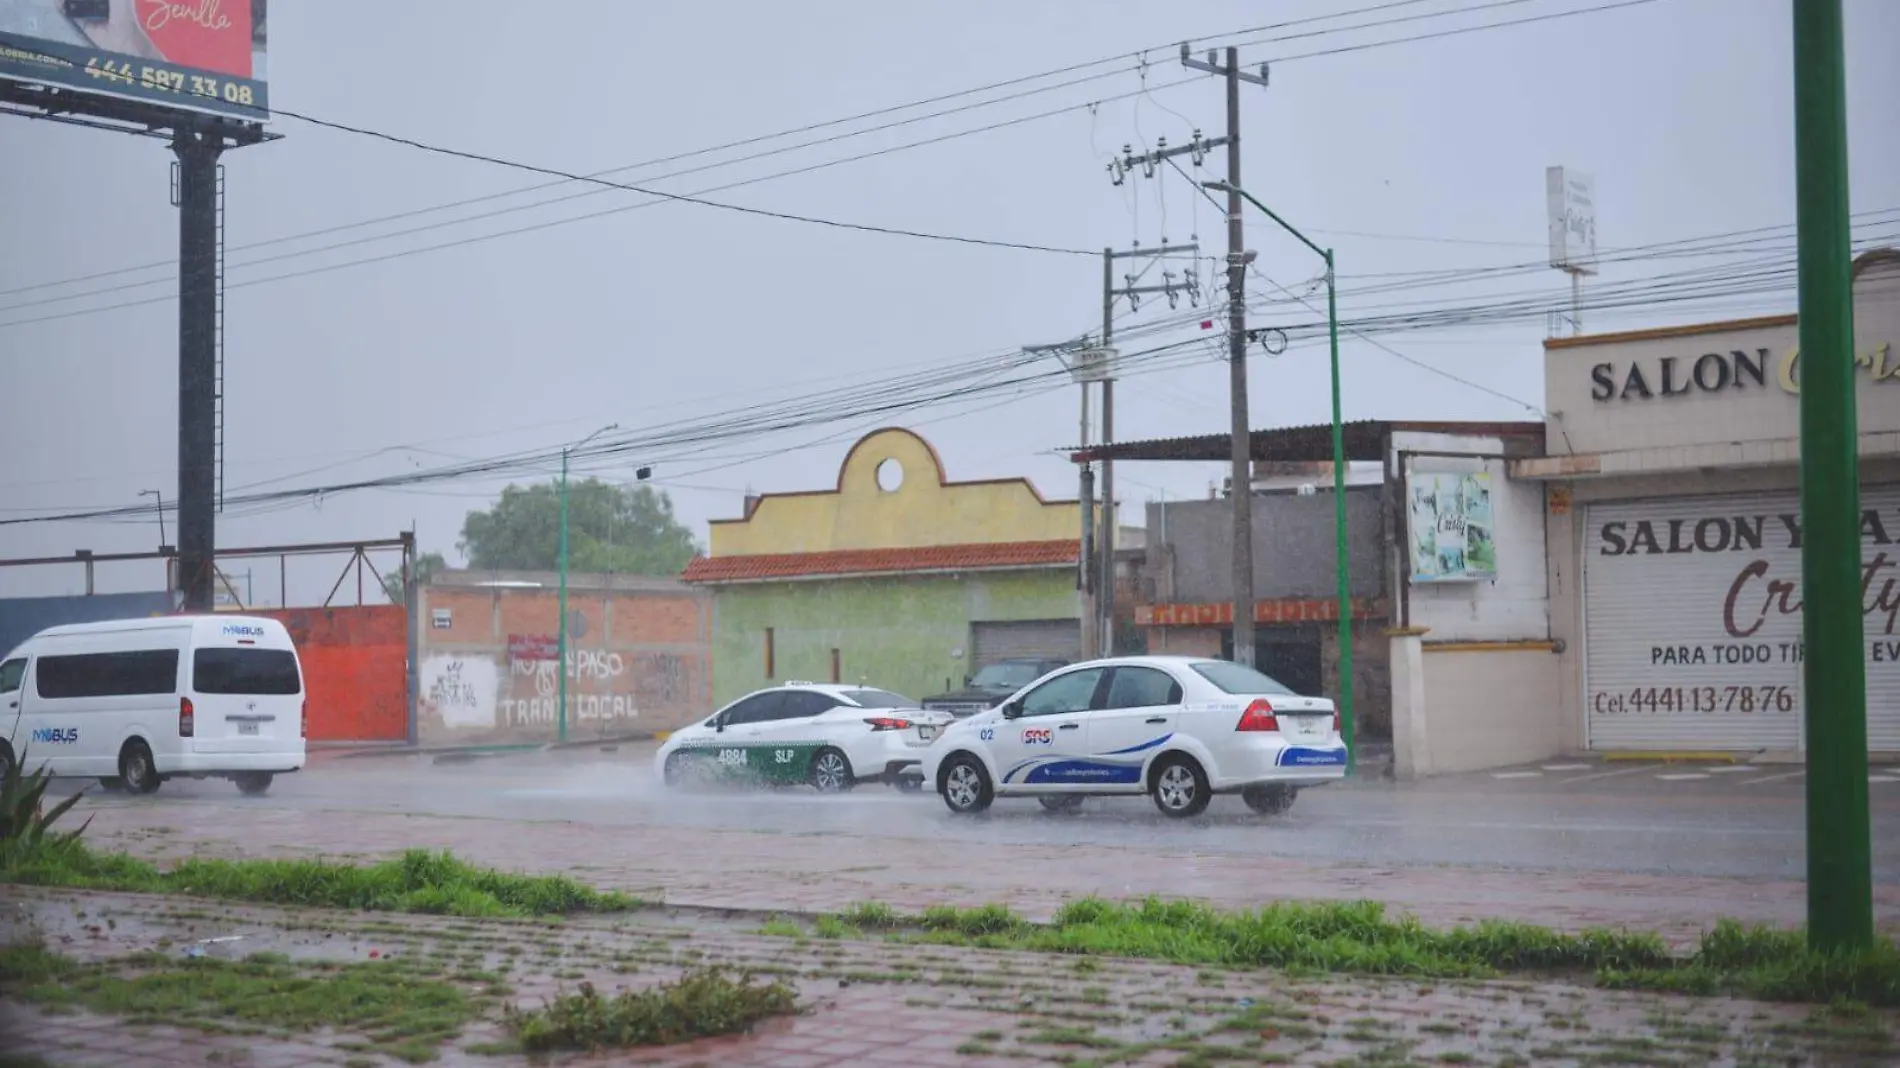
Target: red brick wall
pixel 355 664
pixel 639 661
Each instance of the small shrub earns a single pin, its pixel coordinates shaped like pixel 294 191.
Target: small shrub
pixel 24 820
pixel 871 916
pixel 700 1004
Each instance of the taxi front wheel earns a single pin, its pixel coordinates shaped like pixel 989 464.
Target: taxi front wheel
pixel 1180 787
pixel 966 785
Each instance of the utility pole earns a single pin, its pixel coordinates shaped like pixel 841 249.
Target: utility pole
pixel 1085 494
pixel 1834 671
pixel 1105 554
pixel 197 199
pixel 1237 260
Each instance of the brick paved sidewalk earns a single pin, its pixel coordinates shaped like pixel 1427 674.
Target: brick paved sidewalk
pixel 878 1004
pixel 826 872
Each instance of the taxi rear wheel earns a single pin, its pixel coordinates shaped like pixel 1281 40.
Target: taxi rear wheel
pixel 1269 800
pixel 831 771
pixel 965 785
pixel 1179 787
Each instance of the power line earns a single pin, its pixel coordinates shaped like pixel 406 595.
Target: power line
pixel 661 197
pixel 749 141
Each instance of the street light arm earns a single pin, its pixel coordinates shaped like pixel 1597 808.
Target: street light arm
pixel 1271 214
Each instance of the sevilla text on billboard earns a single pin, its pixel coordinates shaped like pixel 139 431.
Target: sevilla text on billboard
pixel 192 55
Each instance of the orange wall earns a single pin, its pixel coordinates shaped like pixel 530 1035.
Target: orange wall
pixel 355 670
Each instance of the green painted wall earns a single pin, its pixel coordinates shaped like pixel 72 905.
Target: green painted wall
pixel 896 633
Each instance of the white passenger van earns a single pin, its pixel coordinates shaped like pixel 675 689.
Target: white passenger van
pixel 137 701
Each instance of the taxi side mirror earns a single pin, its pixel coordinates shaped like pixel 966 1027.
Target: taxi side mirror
pixel 1012 709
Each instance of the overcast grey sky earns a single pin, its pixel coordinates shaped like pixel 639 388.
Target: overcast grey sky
pixel 1681 109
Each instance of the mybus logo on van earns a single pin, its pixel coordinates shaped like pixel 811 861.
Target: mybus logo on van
pixel 243 630
pixel 57 735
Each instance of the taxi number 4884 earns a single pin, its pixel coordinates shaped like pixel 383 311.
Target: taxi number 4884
pixel 737 757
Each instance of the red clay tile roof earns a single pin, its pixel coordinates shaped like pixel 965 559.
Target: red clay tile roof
pixel 767 566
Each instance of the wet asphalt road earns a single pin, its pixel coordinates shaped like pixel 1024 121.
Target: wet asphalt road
pixel 1575 817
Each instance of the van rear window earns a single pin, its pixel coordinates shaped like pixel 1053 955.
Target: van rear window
pixel 256 672
pixel 127 674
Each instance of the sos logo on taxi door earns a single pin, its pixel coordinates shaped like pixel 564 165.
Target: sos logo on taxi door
pixel 1038 736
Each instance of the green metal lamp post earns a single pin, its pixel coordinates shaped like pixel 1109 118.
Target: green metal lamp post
pixel 1840 867
pixel 1346 719
pixel 560 668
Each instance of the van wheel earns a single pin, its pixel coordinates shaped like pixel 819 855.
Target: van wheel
pixel 7 763
pixel 136 769
pixel 252 783
pixel 112 784
pixel 1061 802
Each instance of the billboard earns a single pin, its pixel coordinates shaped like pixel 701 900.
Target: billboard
pixel 1570 200
pixel 1453 532
pixel 194 55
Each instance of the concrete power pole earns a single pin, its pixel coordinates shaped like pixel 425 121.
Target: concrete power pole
pixel 1104 572
pixel 1237 259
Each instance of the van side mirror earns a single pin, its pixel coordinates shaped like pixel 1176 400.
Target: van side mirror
pixel 968 679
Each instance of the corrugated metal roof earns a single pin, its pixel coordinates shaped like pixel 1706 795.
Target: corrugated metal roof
pixel 1363 439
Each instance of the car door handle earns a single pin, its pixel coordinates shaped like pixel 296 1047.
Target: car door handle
pixel 1069 727
pixel 1157 719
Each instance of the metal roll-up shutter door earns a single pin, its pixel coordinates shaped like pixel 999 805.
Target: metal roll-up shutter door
pixel 1020 639
pixel 1692 623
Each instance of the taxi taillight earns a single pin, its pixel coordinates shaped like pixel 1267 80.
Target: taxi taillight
pixel 1258 717
pixel 887 723
pixel 303 719
pixel 187 718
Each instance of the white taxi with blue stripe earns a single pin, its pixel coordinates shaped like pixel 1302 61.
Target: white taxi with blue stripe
pixel 1180 729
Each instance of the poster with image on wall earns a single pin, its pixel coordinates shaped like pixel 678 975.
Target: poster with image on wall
pixel 1453 529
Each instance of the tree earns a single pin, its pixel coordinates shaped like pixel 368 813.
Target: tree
pixel 427 564
pixel 610 527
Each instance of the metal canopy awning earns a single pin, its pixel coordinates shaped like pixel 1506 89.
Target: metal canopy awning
pixel 1365 440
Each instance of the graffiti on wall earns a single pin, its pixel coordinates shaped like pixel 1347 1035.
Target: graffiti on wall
pixel 460 690
pixel 663 678
pixel 598 689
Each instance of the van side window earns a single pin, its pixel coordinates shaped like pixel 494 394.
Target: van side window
pixel 257 672
pixel 11 673
pixel 147 671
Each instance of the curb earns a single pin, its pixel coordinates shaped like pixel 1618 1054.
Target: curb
pixel 1672 757
pixel 471 751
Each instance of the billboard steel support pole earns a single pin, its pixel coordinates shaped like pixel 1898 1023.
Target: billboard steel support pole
pixel 1834 671
pixel 198 151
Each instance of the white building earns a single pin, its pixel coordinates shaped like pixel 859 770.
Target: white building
pixel 1671 514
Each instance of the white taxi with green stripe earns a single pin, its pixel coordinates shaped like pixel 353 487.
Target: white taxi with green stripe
pixel 829 736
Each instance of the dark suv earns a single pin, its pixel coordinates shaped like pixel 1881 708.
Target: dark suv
pixel 989 686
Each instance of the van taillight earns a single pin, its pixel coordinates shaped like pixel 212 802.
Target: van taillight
pixel 1258 717
pixel 303 720
pixel 187 719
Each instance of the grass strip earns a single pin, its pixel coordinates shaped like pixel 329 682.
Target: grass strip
pixel 418 881
pixel 396 1010
pixel 700 1004
pixel 1360 937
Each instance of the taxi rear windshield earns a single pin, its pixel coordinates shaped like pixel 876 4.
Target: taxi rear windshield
pixel 878 699
pixel 1239 679
pixel 252 672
